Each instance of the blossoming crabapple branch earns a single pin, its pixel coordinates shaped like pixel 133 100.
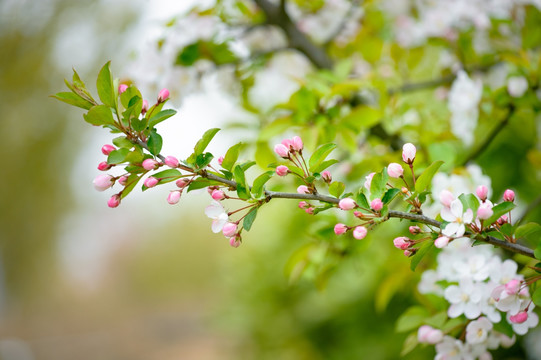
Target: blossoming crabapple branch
pixel 517 248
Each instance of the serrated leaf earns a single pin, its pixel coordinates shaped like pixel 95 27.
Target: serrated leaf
pixel 528 230
pixel 231 156
pixel 117 156
pixel 325 164
pixel 320 155
pixel 249 219
pixel 259 182
pixel 104 84
pixel 154 143
pixel 500 210
pixel 423 250
pixel 390 195
pixel 469 201
pixel 73 99
pixel 203 160
pixel 204 141
pixel 362 201
pixel 99 115
pixel 337 188
pixel 412 318
pixel 161 116
pixel 378 185
pixel 425 179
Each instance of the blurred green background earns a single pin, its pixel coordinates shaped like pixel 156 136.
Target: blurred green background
pixel 149 281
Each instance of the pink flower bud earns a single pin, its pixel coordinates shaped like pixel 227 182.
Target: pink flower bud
pixel 210 189
pixel 303 189
pixel 339 229
pixel 282 151
pixel 408 253
pixel 482 192
pixel 446 198
pixel 358 214
pixel 326 176
pixel 428 334
pixel 404 190
pixel 144 108
pixel 163 95
pixel 395 170
pixel 309 210
pixel 414 230
pixel 103 182
pixel 441 242
pixel 114 201
pixel 288 143
pixel 122 88
pixel 234 242
pixel 359 232
pixel 150 164
pixel 297 144
pixel 303 205
pixel 509 195
pixel 376 205
pixel 171 161
pixel 347 204
pixel 151 182
pixel 512 287
pixel 484 211
pixel 220 160
pixel 173 197
pixel 104 166
pixel 401 242
pixel 229 229
pixel 182 183
pixel 123 180
pixel 282 170
pixel 502 220
pixel 218 195
pixel 408 153
pixel 107 149
pixel 519 318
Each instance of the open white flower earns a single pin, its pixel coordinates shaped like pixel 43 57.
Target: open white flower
pixel 464 298
pixel 477 331
pixel 219 216
pixel 457 218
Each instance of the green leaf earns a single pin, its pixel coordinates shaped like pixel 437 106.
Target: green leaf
pixel 117 156
pixel 469 201
pixel 390 195
pixel 161 116
pixel 378 185
pixel 504 327
pixel 259 182
pixel 362 201
pixel 412 318
pixel 231 156
pixel 537 252
pixel 122 142
pixel 410 343
pixel 242 189
pixel 536 296
pixel 337 188
pixel 438 320
pixel 425 248
pixel 204 141
pixel 203 160
pixel 528 230
pixel 168 175
pixel 325 164
pixel 500 210
pixel 139 124
pixel 73 99
pixel 425 179
pixel 106 90
pixel 129 94
pixel 198 184
pixel 99 115
pixel 154 143
pixel 132 181
pixel 263 154
pixel 320 155
pixel 245 166
pixel 249 219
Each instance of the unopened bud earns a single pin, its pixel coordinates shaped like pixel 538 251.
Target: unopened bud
pixel 145 107
pixel 509 195
pixel 151 182
pixel 171 161
pixel 220 160
pixel 173 197
pixel 163 95
pixel 282 151
pixel 309 210
pixel 103 182
pixel 482 192
pixel 123 180
pixel 484 211
pixel 376 205
pixel 414 230
pixel 326 176
pixel 229 229
pixel 150 164
pixel 401 242
pixel 107 149
pixel 303 189
pixel 347 204
pixel 282 170
pixel 395 170
pixel 122 88
pixel 114 201
pixel 104 166
pixel 218 195
pixel 446 198
pixel 182 183
pixel 339 229
pixel 408 153
pixel 303 205
pixel 235 241
pixel 441 242
pixel 502 220
pixel 297 144
pixel 519 318
pixel 359 232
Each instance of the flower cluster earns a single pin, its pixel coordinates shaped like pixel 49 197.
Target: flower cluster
pixel 484 291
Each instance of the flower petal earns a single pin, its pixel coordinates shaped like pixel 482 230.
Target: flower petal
pixel 456 208
pixel 468 216
pixel 447 215
pixel 450 229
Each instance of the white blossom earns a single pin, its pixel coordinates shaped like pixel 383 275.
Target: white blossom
pixel 457 218
pixel 463 103
pixel 219 216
